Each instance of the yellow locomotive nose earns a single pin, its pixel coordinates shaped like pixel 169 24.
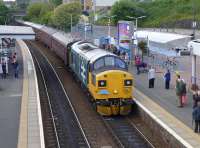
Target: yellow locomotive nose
pixel 115 92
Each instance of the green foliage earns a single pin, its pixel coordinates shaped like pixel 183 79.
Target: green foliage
pixel 39 12
pixel 62 15
pixel 56 2
pixel 161 12
pixel 4 14
pixel 125 8
pixel 143 47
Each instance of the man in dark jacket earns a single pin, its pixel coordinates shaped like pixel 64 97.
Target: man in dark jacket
pixel 4 69
pixel 167 79
pixel 196 98
pixel 196 118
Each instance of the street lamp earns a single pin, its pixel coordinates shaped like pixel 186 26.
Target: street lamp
pixel 136 25
pixel 71 22
pixel 109 21
pixel 136 20
pixel 194 23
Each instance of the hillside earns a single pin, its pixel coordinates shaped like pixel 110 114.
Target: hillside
pixel 170 13
pixel 160 13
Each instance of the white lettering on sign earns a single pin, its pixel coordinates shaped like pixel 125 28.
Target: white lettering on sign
pixel 83 71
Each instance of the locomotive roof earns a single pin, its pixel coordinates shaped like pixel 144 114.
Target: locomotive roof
pixel 62 37
pixel 90 51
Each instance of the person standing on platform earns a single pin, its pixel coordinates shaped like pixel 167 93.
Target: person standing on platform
pixel 178 91
pixel 183 91
pixel 1 71
pixel 16 68
pixel 151 77
pixel 167 77
pixel 196 118
pixel 126 58
pixel 196 98
pixel 4 69
pixel 137 63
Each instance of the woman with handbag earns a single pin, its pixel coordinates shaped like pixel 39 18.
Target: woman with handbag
pixel 183 92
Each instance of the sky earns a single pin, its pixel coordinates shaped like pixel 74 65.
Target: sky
pixel 8 0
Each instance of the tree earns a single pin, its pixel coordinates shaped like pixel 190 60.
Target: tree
pixel 4 13
pixel 143 47
pixel 39 12
pixel 62 15
pixel 125 8
pixel 56 2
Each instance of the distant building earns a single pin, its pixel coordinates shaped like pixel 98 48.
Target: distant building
pixel 20 2
pixel 87 4
pixel 91 4
pixel 104 3
pixel 9 3
pixel 69 1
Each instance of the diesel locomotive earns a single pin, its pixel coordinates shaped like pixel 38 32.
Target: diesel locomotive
pixel 105 76
pixel 102 73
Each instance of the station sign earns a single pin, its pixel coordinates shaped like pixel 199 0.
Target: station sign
pixel 125 34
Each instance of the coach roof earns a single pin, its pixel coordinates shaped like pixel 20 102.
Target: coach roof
pixel 34 25
pixel 62 37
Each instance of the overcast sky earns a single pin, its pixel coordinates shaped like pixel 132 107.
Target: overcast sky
pixel 8 0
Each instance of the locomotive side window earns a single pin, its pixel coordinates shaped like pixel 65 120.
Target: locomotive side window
pixel 109 61
pixel 119 63
pixel 99 63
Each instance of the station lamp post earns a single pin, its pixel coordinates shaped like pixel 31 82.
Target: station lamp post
pixel 136 26
pixel 109 22
pixel 194 23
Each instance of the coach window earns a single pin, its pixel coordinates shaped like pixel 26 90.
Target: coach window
pixel 109 61
pixel 98 64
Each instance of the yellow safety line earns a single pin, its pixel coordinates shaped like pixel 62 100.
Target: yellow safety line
pixel 23 124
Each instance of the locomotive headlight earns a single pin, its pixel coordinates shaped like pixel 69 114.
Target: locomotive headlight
pixel 128 82
pixel 102 83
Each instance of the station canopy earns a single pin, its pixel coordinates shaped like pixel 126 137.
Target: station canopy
pixel 17 32
pixel 160 37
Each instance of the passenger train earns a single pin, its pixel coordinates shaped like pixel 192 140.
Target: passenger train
pixel 104 74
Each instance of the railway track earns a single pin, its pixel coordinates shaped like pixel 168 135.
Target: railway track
pixel 62 127
pixel 126 133
pixel 100 131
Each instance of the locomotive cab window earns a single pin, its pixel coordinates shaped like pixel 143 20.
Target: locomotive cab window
pixel 108 62
pixel 98 64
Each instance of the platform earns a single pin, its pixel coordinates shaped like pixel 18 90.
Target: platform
pixel 162 105
pixel 10 104
pixel 20 114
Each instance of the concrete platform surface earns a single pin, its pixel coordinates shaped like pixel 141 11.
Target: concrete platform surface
pixel 10 104
pixel 163 103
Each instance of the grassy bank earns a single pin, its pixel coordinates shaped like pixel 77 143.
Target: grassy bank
pixel 164 13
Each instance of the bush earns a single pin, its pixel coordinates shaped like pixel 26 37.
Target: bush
pixel 125 8
pixel 39 12
pixel 62 15
pixel 4 14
